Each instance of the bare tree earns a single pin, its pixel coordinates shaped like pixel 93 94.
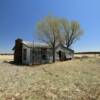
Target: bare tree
pixel 48 30
pixel 71 32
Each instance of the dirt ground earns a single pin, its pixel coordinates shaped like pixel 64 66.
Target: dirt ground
pixel 69 80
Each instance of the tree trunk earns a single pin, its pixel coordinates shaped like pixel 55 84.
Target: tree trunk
pixel 53 53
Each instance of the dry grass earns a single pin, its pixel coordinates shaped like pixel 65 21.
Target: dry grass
pixel 88 55
pixel 72 80
pixel 6 57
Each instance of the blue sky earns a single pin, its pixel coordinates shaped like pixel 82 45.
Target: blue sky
pixel 18 19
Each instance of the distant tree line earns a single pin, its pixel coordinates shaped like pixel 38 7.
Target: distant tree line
pixel 6 54
pixel 87 52
pixel 55 31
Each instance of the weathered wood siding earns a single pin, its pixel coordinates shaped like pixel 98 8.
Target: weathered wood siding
pixel 18 51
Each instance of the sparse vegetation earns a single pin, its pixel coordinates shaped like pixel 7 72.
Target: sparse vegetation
pixel 70 80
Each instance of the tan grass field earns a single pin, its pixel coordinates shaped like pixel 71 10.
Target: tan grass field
pixel 88 55
pixel 70 80
pixel 6 57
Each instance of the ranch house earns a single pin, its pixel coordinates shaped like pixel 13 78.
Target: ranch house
pixel 38 53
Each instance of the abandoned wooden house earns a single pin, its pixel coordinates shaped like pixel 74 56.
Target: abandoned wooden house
pixel 38 53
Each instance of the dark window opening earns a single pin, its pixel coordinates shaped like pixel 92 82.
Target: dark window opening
pixel 44 54
pixel 62 56
pixel 44 57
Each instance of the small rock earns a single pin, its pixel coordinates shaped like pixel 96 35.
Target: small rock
pixel 51 95
pixel 13 98
pixel 17 94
